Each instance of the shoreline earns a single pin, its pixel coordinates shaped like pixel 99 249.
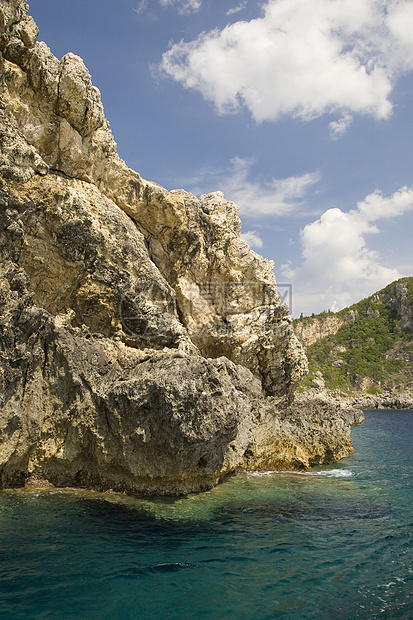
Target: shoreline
pixel 388 400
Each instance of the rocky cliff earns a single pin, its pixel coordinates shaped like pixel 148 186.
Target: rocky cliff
pixel 143 345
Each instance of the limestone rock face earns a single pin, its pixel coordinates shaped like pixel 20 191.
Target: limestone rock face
pixel 69 247
pixel 401 305
pixel 312 329
pixel 313 430
pixel 143 343
pixel 89 411
pixel 226 294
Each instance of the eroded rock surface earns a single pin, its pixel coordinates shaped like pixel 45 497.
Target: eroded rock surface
pixel 143 344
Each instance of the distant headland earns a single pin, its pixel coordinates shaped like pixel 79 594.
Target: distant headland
pixel 363 353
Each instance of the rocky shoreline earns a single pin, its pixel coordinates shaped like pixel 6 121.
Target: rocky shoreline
pixel 389 399
pixel 144 347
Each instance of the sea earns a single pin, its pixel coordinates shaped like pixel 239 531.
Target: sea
pixel 334 543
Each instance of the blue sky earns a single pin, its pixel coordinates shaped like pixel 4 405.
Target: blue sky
pixel 299 110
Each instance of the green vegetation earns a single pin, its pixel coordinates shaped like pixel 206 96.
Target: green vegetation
pixel 372 350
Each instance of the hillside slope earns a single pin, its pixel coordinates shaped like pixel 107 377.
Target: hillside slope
pixel 364 349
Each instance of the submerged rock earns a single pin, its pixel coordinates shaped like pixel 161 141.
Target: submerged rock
pixel 144 347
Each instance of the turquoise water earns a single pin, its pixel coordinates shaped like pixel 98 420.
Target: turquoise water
pixel 333 544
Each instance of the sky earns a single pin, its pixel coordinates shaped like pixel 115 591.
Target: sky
pixel 300 111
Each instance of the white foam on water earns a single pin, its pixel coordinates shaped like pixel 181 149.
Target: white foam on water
pixel 336 473
pixel 331 473
pixel 260 474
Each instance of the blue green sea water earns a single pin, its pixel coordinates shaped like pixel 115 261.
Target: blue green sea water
pixel 335 543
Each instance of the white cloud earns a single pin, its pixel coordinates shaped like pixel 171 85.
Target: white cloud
pixel 277 197
pixel 303 59
pixel 339 128
pixel 184 7
pixel 237 9
pixel 338 268
pixel 400 22
pixel 252 238
pixel 141 6
pixel 376 206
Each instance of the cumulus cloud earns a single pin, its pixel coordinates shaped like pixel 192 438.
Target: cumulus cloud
pixel 303 59
pixel 184 7
pixel 255 199
pixel 252 238
pixel 337 264
pixel 400 23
